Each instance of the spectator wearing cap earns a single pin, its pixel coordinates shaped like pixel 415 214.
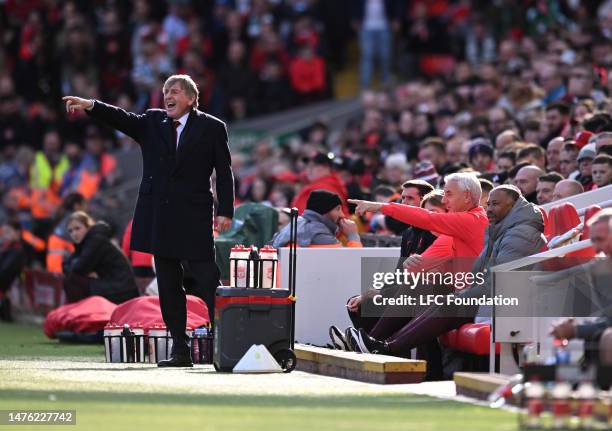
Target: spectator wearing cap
pixel 546 187
pixel 553 154
pixel 320 224
pixel 583 137
pixel 434 150
pixel 585 161
pixel 426 171
pixel 566 188
pixel 527 181
pixel 532 154
pixel 320 175
pixel 601 170
pixel 481 155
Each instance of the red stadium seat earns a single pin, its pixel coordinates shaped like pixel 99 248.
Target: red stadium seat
pixel 561 218
pixel 588 213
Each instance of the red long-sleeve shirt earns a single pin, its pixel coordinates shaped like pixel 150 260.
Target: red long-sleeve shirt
pixel 467 228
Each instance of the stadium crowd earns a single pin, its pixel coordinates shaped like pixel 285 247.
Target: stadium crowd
pixel 520 98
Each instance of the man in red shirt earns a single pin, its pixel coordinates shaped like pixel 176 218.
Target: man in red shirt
pixel 321 177
pixel 465 221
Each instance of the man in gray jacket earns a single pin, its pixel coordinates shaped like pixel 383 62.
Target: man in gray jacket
pixel 321 221
pixel 515 230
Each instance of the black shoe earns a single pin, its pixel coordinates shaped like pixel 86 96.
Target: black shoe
pixel 176 361
pixel 368 344
pixel 337 338
pixel 351 335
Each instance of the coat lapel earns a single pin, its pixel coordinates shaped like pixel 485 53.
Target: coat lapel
pixel 167 135
pixel 185 141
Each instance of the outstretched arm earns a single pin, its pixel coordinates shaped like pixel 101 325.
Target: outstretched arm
pixel 127 122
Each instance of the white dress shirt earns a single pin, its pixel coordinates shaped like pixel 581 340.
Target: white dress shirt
pixel 179 129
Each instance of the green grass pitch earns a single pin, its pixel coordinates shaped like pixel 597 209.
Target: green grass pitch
pixel 110 397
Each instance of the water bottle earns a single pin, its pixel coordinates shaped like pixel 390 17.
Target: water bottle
pixel 196 345
pixel 562 354
pixel 534 394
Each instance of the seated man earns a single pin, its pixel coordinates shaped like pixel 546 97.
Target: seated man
pixel 515 231
pixel 414 241
pixel 320 223
pixel 597 334
pixel 12 261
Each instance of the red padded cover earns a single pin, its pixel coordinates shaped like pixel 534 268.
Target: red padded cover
pixel 145 311
pixel 471 338
pixel 86 316
pixel 561 218
pixel 588 213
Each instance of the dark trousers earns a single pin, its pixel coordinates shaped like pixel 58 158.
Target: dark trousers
pixel 172 295
pixel 419 330
pixel 381 327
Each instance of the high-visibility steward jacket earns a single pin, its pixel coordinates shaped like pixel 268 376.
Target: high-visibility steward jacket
pixel 43 175
pixel 37 244
pixel 59 246
pixel 44 202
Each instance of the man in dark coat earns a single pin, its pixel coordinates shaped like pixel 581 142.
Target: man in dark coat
pixel 174 214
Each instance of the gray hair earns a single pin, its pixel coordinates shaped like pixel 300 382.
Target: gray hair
pixel 187 84
pixel 468 182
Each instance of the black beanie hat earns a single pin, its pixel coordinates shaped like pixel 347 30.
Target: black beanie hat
pixel 322 201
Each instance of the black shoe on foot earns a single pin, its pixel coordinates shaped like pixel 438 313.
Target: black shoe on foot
pixel 176 361
pixel 368 344
pixel 337 338
pixel 351 335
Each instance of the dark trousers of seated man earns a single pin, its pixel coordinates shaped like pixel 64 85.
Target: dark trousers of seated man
pixel 388 320
pixel 429 323
pixel 172 295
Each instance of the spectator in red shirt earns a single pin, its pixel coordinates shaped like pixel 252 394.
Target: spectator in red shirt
pixel 320 176
pixel 307 74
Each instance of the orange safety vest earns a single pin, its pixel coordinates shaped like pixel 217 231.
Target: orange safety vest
pixel 36 243
pixel 44 203
pixel 57 248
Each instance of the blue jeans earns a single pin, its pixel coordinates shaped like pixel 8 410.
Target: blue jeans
pixel 375 43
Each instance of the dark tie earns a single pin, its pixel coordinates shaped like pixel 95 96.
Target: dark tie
pixel 175 125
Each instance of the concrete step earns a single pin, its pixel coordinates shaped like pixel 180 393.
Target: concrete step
pixel 478 385
pixel 363 367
